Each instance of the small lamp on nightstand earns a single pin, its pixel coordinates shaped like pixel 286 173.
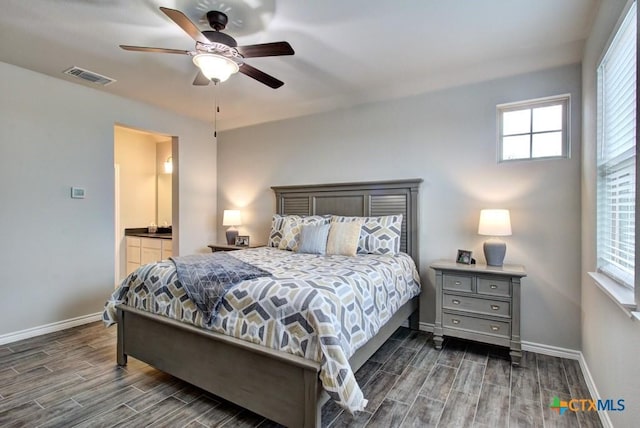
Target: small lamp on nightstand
pixel 231 218
pixel 494 223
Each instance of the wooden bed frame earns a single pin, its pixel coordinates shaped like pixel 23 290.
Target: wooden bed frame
pixel 282 387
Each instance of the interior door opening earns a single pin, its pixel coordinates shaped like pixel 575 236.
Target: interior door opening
pixel 145 195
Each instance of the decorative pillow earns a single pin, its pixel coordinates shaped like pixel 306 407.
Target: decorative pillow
pixel 291 229
pixel 313 238
pixel 276 230
pixel 379 235
pixel 343 238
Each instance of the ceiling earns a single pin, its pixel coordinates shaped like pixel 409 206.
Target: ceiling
pixel 347 52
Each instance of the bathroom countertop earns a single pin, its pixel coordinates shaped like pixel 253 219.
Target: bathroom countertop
pixel 143 232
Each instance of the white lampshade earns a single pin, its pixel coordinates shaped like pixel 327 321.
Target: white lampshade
pixel 494 223
pixel 215 67
pixel 231 218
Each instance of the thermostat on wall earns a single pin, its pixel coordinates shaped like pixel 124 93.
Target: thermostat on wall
pixel 78 192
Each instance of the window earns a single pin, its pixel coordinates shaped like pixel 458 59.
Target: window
pixel 534 129
pixel 616 157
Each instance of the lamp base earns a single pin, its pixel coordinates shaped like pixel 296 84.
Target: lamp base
pixel 494 251
pixel 231 236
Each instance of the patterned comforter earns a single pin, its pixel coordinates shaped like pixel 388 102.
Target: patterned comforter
pixel 321 308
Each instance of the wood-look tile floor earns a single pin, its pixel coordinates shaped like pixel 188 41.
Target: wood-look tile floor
pixel 70 378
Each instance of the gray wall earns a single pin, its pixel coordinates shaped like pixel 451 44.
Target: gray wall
pixel 610 339
pixel 448 138
pixel 57 253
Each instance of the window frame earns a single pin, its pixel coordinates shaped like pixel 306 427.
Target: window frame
pixel 563 99
pixel 636 288
pixel 622 293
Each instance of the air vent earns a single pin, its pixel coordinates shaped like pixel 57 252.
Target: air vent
pixel 89 76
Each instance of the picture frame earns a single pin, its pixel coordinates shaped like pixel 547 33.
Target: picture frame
pixel 242 241
pixel 464 257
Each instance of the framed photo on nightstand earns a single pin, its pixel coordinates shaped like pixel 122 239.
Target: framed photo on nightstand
pixel 464 257
pixel 242 241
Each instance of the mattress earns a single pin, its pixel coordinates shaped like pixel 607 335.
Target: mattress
pixel 319 307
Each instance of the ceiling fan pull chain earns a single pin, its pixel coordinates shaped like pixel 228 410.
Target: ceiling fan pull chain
pixel 216 109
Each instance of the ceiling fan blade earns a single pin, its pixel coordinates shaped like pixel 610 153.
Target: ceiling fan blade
pixel 156 50
pixel 266 49
pixel 201 79
pixel 260 76
pixel 184 23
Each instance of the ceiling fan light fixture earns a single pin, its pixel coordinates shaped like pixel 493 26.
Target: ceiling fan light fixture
pixel 215 67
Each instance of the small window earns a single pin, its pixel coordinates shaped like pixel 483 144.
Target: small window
pixel 534 129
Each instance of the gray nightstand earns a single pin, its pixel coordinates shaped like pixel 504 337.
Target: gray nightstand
pixel 479 302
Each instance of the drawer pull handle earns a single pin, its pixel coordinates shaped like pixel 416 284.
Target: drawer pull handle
pixel 455 321
pixel 458 283
pixel 495 328
pixel 495 307
pixel 493 286
pixel 455 301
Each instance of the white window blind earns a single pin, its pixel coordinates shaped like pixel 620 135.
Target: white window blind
pixel 617 154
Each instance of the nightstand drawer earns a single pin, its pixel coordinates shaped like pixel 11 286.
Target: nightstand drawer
pixel 494 287
pixel 472 304
pixel 457 282
pixel 477 325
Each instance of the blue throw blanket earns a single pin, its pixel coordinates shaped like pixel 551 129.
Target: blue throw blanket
pixel 207 277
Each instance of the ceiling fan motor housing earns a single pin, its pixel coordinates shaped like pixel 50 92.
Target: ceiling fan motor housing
pixel 218 20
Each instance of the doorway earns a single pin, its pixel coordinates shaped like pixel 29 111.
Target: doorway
pixel 146 187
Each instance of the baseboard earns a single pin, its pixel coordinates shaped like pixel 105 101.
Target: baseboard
pixel 49 328
pixel 553 351
pixel 604 416
pixel 571 354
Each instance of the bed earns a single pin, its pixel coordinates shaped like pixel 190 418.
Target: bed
pixel 281 386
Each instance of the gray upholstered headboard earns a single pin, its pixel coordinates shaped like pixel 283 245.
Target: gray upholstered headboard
pixel 376 198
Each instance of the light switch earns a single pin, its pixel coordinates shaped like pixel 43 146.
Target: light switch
pixel 78 192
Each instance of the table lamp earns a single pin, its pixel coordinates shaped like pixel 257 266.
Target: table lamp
pixel 494 223
pixel 231 218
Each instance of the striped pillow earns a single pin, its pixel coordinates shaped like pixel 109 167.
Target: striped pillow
pixel 313 238
pixel 291 229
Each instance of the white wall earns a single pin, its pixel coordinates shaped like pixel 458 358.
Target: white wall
pixel 448 138
pixel 57 253
pixel 135 153
pixel 610 339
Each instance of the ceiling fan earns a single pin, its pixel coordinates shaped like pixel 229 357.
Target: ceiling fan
pixel 217 54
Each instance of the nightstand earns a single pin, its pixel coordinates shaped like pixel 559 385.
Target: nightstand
pixel 479 302
pixel 227 247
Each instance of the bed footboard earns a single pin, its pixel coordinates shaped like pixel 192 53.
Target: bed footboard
pixel 282 387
